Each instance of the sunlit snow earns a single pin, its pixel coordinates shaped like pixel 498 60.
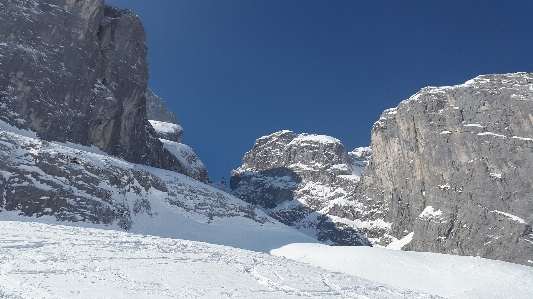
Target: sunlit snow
pixel 54 261
pixel 441 274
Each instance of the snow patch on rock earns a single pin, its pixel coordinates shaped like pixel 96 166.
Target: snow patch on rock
pixel 430 213
pixel 511 216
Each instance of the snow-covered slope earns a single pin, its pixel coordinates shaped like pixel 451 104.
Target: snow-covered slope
pixel 65 182
pixel 40 260
pixel 52 261
pixel 445 275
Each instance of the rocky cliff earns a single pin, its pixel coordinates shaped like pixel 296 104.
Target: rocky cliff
pixel 157 110
pixel 451 170
pixel 76 71
pixel 303 181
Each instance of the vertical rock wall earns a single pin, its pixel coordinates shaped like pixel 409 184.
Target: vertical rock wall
pixel 453 166
pixel 77 71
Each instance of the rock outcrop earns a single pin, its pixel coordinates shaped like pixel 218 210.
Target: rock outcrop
pixel 170 133
pixel 165 123
pixel 301 180
pixel 77 71
pixel 449 172
pixel 451 169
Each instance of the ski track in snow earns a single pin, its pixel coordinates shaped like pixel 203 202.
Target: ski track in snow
pixel 40 260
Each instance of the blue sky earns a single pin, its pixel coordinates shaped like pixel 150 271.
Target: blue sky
pixel 233 71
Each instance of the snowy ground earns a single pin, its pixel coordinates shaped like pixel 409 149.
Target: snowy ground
pixel 39 260
pixel 53 261
pixel 441 274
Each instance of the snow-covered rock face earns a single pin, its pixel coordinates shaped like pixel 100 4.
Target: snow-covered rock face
pixel 454 166
pixel 72 183
pixel 168 131
pixel 77 71
pixel 304 181
pixel 191 163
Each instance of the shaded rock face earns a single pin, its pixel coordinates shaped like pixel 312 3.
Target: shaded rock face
pixel 454 166
pixel 77 71
pixel 303 181
pixel 191 163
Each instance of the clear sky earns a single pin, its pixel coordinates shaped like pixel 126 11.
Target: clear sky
pixel 235 70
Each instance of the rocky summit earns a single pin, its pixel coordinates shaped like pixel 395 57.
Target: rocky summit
pixel 304 181
pixel 451 170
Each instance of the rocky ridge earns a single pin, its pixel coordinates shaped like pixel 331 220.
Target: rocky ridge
pixel 449 172
pixel 73 183
pixel 303 180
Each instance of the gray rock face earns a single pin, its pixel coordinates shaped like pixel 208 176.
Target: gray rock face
pixel 301 180
pixel 77 71
pixel 191 163
pixel 453 166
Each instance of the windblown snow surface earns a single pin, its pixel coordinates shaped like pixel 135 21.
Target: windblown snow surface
pixel 43 258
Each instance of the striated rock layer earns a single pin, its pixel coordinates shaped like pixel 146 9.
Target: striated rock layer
pixel 77 71
pixel 451 168
pixel 303 181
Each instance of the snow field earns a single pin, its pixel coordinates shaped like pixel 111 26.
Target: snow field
pixel 55 261
pixel 445 275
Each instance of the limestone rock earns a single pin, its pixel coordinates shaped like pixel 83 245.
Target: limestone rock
pixel 165 123
pixel 301 180
pixel 454 166
pixel 77 71
pixel 156 109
